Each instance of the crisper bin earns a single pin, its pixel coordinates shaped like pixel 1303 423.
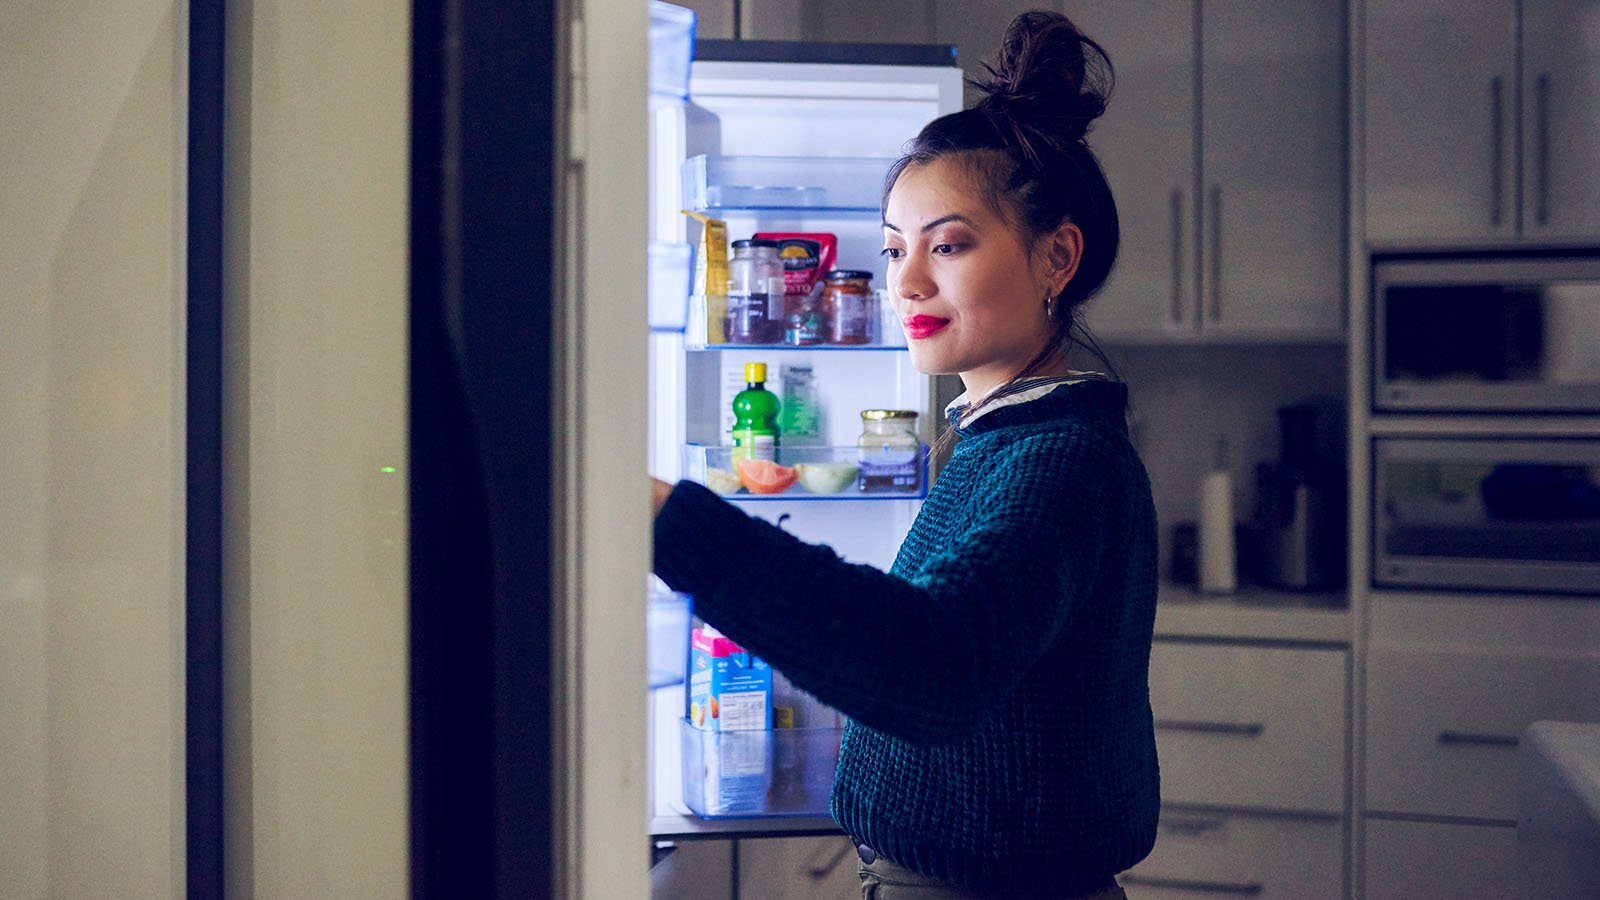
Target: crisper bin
pixel 818 473
pixel 743 774
pixel 836 184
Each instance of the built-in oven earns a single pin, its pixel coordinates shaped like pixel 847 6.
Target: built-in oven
pixel 1487 332
pixel 1487 513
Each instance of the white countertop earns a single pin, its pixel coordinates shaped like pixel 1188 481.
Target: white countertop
pixel 1558 810
pixel 1252 613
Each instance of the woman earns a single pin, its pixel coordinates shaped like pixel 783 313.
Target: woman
pixel 1000 741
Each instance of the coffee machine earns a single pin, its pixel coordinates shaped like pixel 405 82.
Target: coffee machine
pixel 1300 511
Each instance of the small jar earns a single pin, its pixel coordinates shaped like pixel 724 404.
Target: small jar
pixel 807 321
pixel 890 452
pixel 755 293
pixel 849 306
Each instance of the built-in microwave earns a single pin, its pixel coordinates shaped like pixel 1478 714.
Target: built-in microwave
pixel 1487 332
pixel 1487 513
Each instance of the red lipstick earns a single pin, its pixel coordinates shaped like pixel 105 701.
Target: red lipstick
pixel 919 327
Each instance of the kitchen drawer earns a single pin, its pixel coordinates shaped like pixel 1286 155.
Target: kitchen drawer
pixel 1250 726
pixel 1208 854
pixel 1439 861
pixel 1443 723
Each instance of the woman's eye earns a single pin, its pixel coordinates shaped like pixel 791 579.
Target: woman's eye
pixel 893 252
pixel 944 249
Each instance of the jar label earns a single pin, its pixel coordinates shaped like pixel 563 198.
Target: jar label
pixel 888 467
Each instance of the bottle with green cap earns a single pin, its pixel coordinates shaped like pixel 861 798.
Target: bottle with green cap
pixel 755 417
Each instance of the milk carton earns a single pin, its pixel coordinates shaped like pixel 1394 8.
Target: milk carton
pixel 729 689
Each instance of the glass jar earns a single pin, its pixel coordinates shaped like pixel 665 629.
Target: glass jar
pixel 849 306
pixel 890 452
pixel 807 322
pixel 755 293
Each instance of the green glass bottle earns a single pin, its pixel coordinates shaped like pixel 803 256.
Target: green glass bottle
pixel 755 417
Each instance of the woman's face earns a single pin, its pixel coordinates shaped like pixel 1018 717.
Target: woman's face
pixel 964 284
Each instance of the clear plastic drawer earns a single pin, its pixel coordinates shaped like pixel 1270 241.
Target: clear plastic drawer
pixel 809 473
pixel 742 774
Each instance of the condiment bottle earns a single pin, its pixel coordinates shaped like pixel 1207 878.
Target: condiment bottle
pixel 849 305
pixel 1217 573
pixel 755 293
pixel 755 417
pixel 890 451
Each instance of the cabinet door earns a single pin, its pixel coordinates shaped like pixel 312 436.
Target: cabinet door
pixel 810 868
pixel 1145 143
pixel 1561 119
pixel 1447 861
pixel 1443 723
pixel 1211 854
pixel 1273 152
pixel 1440 108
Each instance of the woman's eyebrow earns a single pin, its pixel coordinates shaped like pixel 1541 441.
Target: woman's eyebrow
pixel 953 217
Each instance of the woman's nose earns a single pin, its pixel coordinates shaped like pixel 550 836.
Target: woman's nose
pixel 912 281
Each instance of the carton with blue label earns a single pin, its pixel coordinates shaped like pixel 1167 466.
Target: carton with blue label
pixel 729 688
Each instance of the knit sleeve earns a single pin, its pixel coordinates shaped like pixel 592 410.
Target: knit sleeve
pixel 922 654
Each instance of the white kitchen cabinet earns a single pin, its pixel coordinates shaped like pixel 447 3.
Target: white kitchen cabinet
pixel 1252 742
pixel 1224 145
pixel 1408 860
pixel 1204 853
pixel 1561 119
pixel 1250 726
pixel 1464 145
pixel 1452 682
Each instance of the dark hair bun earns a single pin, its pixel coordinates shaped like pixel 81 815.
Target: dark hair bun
pixel 1049 83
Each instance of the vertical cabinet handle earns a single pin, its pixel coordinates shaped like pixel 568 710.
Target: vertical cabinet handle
pixel 1496 163
pixel 1541 158
pixel 1216 253
pixel 1176 202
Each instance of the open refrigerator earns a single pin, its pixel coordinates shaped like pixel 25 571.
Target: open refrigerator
pixel 771 137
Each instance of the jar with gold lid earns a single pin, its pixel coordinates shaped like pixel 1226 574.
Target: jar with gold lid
pixel 890 451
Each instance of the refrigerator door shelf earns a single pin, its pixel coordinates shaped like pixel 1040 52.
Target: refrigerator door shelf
pixel 821 473
pixel 668 614
pixel 671 270
pixel 820 184
pixel 671 52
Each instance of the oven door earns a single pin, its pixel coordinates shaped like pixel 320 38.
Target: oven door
pixel 1487 513
pixel 1486 334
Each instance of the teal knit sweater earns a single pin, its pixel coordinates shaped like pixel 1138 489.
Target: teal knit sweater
pixel 996 679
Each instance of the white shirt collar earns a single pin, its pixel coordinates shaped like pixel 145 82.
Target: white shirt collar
pixel 1037 387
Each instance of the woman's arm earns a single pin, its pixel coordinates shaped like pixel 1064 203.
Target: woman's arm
pixel 659 491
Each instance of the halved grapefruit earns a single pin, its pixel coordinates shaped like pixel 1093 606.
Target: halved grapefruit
pixel 763 476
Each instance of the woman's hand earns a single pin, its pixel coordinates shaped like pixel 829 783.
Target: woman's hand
pixel 658 495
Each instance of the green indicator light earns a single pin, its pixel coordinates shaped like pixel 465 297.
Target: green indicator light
pixel 388 470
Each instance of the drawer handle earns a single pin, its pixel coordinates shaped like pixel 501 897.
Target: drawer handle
pixel 1242 729
pixel 1482 740
pixel 1239 889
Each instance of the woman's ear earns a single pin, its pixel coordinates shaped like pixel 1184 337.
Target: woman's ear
pixel 1063 249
